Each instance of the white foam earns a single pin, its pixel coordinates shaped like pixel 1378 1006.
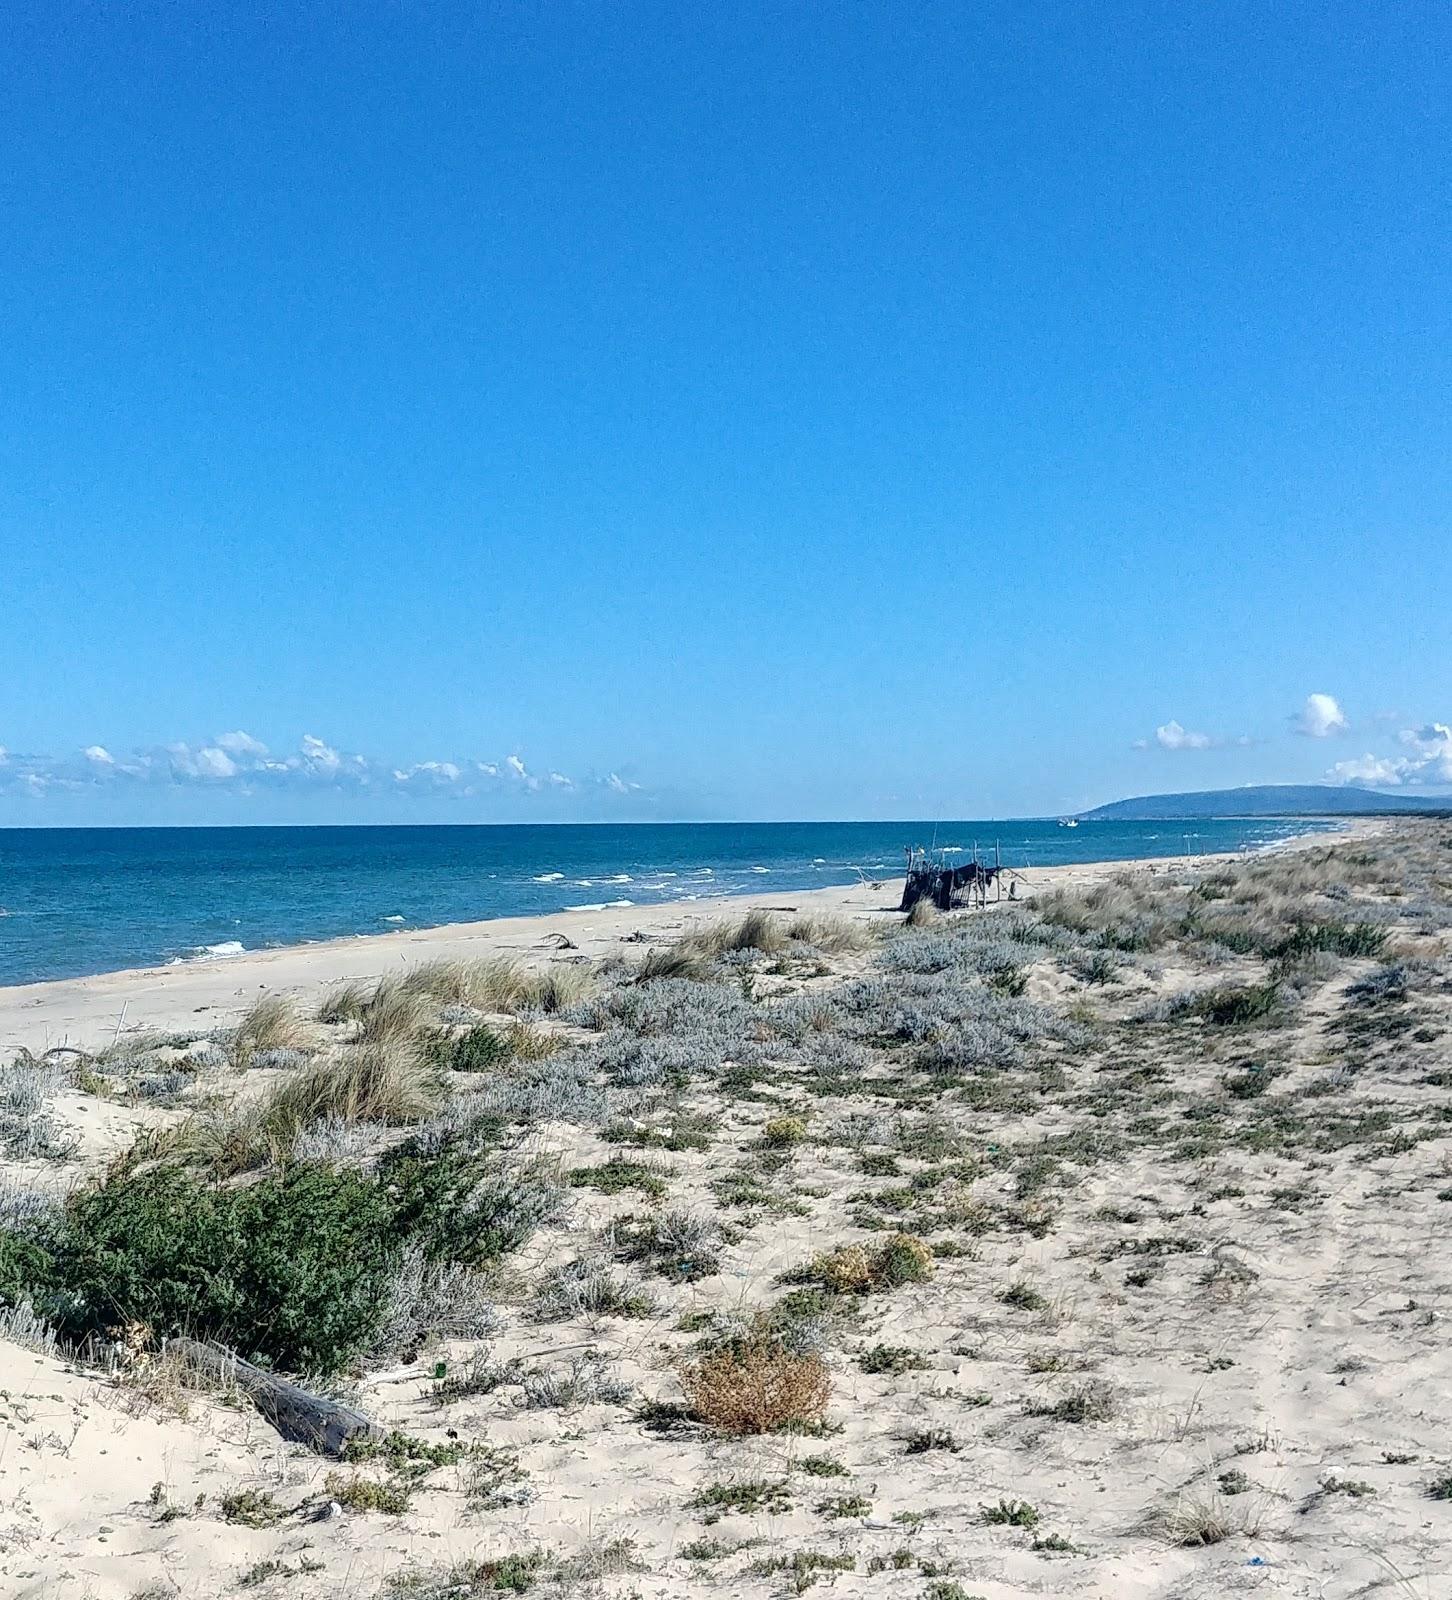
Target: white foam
pixel 392 919
pixel 761 869
pixel 549 877
pixel 219 952
pixel 594 905
pixel 620 877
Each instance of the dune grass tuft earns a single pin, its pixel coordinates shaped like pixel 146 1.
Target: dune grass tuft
pixel 270 1023
pixel 387 1083
pixel 836 935
pixel 502 985
pixel 684 960
pixel 757 930
pixel 394 1014
pixel 346 1003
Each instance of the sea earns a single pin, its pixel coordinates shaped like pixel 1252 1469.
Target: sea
pixel 76 901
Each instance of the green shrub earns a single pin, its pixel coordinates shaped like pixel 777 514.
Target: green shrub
pixel 616 1175
pixel 1010 1513
pixel 251 1508
pixel 25 1266
pixel 299 1269
pixel 511 1574
pixel 368 1494
pixel 289 1269
pixel 892 1359
pixel 461 1206
pixel 1339 938
pixel 1233 1005
pixel 475 1051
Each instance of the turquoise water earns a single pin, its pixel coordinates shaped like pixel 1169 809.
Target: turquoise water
pixel 77 901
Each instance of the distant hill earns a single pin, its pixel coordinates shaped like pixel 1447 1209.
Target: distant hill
pixel 1265 800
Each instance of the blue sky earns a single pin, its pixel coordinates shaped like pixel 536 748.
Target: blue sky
pixel 736 412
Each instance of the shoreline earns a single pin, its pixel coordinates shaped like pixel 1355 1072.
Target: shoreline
pixel 204 994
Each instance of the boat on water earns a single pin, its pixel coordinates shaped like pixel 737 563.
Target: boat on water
pixel 1068 822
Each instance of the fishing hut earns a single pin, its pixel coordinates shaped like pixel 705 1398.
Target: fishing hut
pixel 963 887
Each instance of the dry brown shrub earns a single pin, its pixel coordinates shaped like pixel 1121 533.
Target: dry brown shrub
pixel 856 1269
pixel 846 1270
pixel 757 1385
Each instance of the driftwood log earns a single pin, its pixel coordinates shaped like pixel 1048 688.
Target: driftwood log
pixel 300 1417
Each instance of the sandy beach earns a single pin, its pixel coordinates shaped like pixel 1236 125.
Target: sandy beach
pixel 92 1011
pixel 1094 1246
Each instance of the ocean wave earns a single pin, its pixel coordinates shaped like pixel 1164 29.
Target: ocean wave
pixel 549 877
pixel 211 952
pixel 620 877
pixel 393 919
pixel 761 869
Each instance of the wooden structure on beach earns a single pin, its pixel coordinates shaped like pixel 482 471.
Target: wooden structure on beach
pixel 951 888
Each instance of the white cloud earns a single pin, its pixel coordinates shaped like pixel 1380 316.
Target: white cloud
pixel 1429 761
pixel 516 766
pixel 1171 736
pixel 1367 769
pixel 215 763
pixel 1321 716
pixel 433 774
pixel 241 744
pixel 99 756
pixel 318 756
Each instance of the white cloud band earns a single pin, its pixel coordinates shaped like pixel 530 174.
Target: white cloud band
pixel 240 762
